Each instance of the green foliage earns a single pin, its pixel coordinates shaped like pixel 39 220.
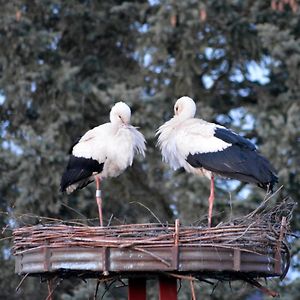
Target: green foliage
pixel 64 63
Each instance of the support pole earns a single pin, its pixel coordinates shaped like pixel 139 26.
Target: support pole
pixel 167 288
pixel 137 289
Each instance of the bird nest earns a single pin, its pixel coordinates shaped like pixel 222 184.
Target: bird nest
pixel 246 248
pixel 255 236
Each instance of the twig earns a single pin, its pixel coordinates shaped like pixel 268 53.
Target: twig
pixel 110 219
pixel 153 255
pixel 263 203
pixel 49 284
pixel 151 212
pixel 21 282
pixel 96 289
pixel 240 236
pixel 287 260
pixel 77 212
pixel 192 289
pixel 49 297
pixel 107 287
pixel 262 288
pixel 179 288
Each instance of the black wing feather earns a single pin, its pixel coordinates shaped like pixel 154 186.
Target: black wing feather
pixel 79 170
pixel 240 161
pixel 230 137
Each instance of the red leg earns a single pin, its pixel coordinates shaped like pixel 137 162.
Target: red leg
pixel 211 199
pixel 99 199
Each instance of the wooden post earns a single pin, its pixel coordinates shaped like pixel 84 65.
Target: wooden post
pixel 137 289
pixel 105 260
pixel 277 265
pixel 175 248
pixel 167 288
pixel 237 259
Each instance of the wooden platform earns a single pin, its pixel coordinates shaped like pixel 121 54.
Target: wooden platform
pixel 138 252
pixel 256 249
pixel 104 260
pixel 247 249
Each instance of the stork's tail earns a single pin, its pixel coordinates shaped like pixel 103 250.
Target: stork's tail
pixel 268 175
pixel 79 173
pixel 69 186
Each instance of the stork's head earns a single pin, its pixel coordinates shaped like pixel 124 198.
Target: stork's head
pixel 185 108
pixel 120 114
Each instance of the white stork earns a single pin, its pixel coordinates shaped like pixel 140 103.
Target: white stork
pixel 205 148
pixel 104 151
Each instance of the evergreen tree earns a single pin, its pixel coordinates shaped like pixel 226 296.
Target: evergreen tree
pixel 64 63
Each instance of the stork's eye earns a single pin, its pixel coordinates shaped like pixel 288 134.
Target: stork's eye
pixel 176 108
pixel 119 116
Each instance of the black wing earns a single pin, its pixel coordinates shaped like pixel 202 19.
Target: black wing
pixel 230 137
pixel 79 170
pixel 239 161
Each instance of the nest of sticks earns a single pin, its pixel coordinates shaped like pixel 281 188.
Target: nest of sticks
pixel 257 232
pixel 262 231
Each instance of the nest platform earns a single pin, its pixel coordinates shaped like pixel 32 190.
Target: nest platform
pixel 248 248
pixel 237 251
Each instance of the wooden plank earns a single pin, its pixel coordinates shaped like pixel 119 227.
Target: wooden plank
pixel 137 289
pixel 167 288
pixel 237 259
pixel 47 255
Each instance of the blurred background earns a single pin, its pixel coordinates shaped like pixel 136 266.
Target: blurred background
pixel 63 64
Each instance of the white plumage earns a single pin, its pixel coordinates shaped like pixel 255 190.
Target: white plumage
pixel 180 137
pixel 104 151
pixel 205 148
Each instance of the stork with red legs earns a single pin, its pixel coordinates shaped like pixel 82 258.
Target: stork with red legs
pixel 204 148
pixel 104 151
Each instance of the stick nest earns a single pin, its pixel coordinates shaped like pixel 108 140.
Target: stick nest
pixel 262 232
pixel 257 232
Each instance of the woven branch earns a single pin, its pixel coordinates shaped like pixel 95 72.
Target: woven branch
pixel 258 232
